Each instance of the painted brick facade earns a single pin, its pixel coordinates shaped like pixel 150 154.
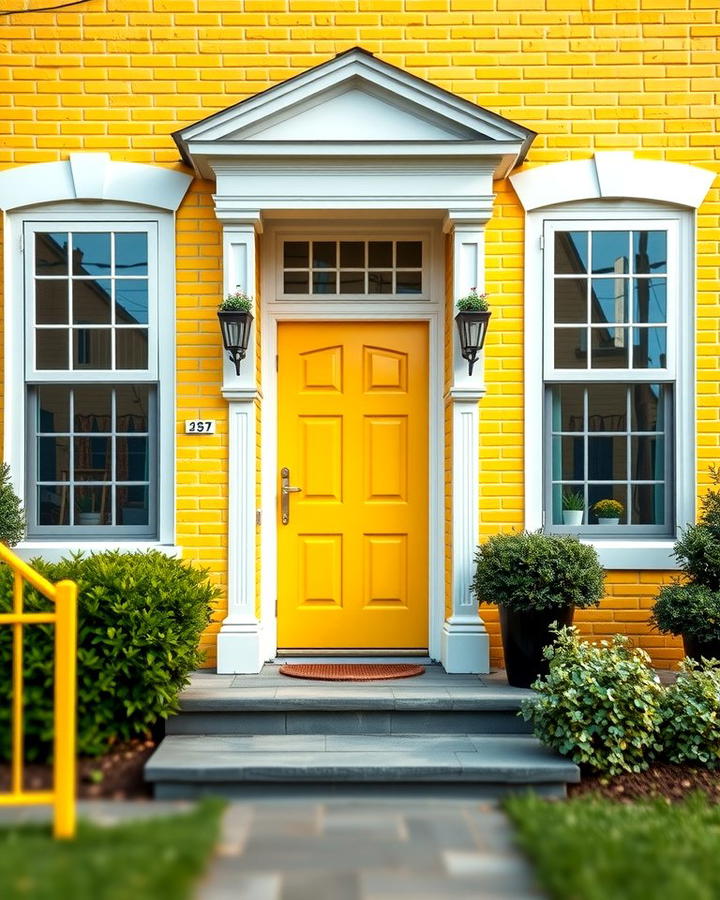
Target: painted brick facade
pixel 121 75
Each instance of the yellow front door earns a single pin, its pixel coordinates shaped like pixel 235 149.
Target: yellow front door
pixel 353 435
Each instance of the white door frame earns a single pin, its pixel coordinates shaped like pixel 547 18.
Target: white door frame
pixel 272 313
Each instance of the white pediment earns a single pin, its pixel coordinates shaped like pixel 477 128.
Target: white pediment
pixel 357 114
pixel 358 106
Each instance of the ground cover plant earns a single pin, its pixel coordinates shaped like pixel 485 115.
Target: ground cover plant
pixel 142 860
pixel 599 704
pixel 690 714
pixel 140 617
pixel 592 848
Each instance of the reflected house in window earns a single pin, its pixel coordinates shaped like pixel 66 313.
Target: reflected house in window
pixel 610 439
pixel 94 440
pixel 97 308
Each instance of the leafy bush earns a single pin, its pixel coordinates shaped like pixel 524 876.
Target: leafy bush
pixel 691 609
pixel 533 571
pixel 140 617
pixel 690 711
pixel 599 704
pixel 698 548
pixel 12 520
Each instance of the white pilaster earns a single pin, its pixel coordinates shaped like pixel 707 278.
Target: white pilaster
pixel 240 640
pixel 465 643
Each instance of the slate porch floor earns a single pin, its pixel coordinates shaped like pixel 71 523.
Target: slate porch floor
pixel 448 691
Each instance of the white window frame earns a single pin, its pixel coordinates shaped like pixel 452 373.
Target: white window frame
pixel 101 216
pixel 624 552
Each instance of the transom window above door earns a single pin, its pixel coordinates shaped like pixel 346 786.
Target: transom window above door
pixel 352 269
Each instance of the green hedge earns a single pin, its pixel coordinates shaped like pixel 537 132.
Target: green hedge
pixel 140 617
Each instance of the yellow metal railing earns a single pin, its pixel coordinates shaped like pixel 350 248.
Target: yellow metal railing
pixel 64 618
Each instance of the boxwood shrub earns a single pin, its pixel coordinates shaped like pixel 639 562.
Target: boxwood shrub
pixel 599 704
pixel 140 617
pixel 691 609
pixel 530 570
pixel 690 711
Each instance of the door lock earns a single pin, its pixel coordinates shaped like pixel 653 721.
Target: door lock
pixel 285 490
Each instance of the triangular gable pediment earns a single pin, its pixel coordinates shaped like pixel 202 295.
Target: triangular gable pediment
pixel 351 102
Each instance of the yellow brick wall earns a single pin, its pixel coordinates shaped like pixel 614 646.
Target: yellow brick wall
pixel 120 75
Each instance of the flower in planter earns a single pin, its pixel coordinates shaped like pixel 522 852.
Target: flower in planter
pixel 473 302
pixel 237 302
pixel 608 509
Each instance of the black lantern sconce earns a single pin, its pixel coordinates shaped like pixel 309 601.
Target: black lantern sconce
pixel 472 328
pixel 235 325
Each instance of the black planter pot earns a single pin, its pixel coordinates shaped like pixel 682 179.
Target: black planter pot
pixel 524 635
pixel 696 648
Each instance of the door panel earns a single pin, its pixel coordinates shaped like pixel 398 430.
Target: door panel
pixel 352 430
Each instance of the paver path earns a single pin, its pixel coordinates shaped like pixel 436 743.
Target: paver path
pixel 340 849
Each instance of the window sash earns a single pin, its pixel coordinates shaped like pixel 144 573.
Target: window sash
pixel 551 372
pixel 666 528
pixel 109 531
pixel 32 372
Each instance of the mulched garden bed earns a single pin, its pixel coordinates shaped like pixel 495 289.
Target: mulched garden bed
pixel 118 775
pixel 661 780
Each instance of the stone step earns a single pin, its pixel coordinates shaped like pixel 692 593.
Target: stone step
pixel 475 765
pixel 272 704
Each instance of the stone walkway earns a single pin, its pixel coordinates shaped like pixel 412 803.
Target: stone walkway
pixel 335 849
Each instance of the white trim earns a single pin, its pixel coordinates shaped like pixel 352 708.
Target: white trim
pixel 92 176
pixel 14 377
pixel 274 312
pixel 615 174
pixel 653 554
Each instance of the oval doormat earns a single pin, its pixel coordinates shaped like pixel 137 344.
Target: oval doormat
pixel 350 671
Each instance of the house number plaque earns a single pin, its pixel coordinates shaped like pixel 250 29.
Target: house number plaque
pixel 199 426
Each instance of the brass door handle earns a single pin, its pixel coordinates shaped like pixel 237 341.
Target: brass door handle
pixel 285 490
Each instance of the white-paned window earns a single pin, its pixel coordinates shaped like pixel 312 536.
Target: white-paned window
pixel 91 352
pixel 610 354
pixel 353 269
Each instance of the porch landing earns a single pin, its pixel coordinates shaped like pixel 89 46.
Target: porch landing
pixel 250 735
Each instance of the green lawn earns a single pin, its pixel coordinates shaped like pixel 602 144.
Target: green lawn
pixel 595 849
pixel 156 859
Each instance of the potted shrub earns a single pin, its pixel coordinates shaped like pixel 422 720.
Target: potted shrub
pixel 235 317
pixel 536 580
pixel 12 520
pixel 608 511
pixel 691 609
pixel 573 507
pixel 472 322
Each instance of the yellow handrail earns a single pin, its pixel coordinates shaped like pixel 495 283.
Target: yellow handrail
pixel 64 596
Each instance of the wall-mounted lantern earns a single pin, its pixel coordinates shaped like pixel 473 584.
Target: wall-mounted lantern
pixel 235 324
pixel 472 322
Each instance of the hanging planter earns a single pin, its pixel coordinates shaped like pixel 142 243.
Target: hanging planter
pixel 472 323
pixel 235 325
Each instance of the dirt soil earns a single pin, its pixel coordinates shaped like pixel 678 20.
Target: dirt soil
pixel 661 780
pixel 118 775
